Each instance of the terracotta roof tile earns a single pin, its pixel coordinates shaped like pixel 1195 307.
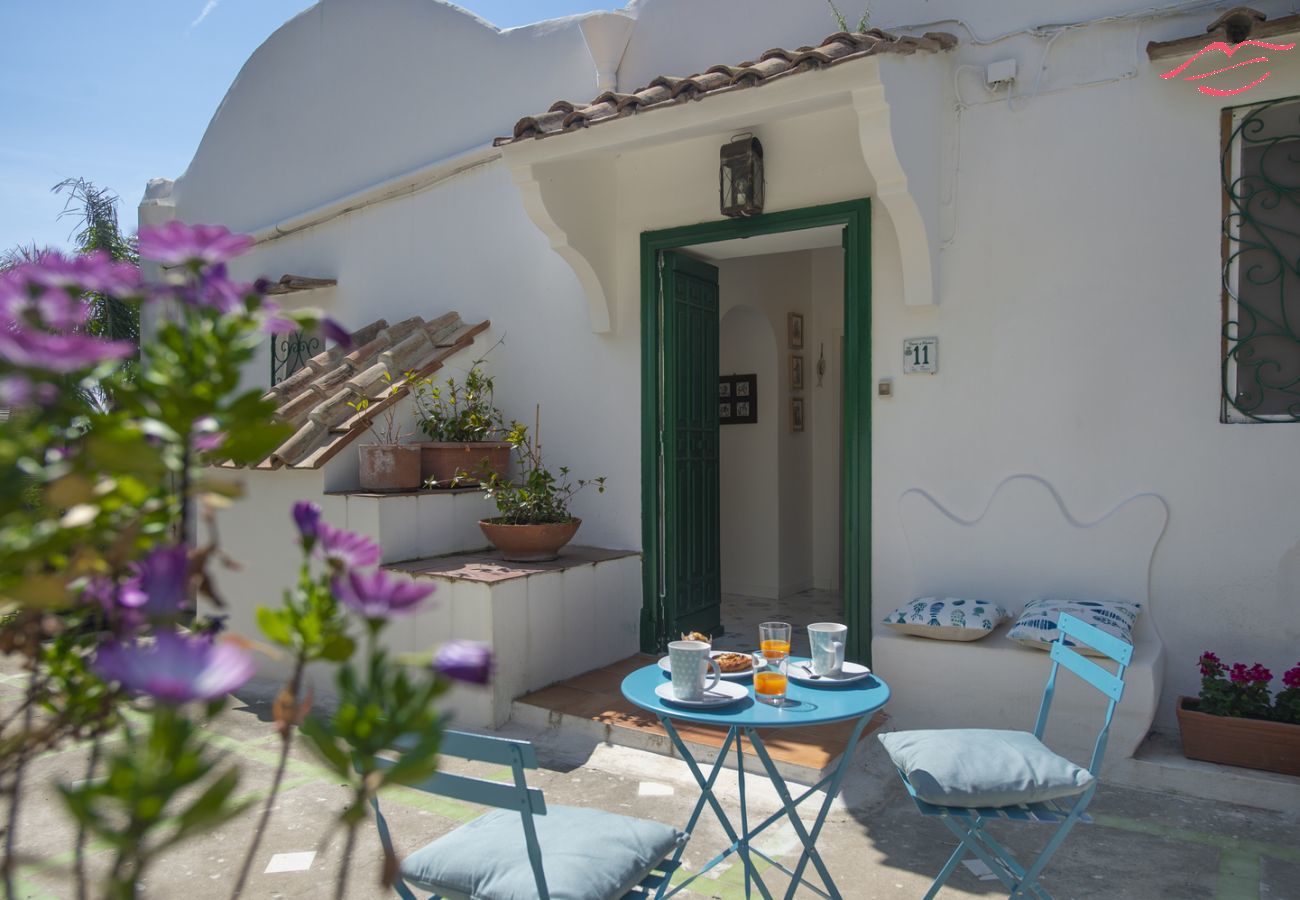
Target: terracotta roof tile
pixel 564 116
pixel 316 400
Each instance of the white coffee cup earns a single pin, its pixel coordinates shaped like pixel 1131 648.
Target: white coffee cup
pixel 689 663
pixel 827 642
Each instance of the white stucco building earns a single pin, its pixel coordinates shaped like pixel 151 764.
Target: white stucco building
pixel 1021 184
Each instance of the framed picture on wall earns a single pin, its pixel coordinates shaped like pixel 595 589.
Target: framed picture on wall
pixel 737 399
pixel 796 413
pixel 795 327
pixel 796 371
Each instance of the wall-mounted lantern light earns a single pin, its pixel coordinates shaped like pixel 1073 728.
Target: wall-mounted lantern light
pixel 740 177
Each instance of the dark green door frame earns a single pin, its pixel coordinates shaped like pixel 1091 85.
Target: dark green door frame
pixel 855 217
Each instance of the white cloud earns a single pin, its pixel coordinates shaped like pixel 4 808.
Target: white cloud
pixel 207 9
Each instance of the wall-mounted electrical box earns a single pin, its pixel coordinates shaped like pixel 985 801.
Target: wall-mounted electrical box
pixel 1001 72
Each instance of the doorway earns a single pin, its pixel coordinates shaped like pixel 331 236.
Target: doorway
pixel 683 586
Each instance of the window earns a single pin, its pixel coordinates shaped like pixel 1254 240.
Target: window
pixel 290 352
pixel 1261 262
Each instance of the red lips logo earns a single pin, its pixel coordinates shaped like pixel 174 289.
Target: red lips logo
pixel 1228 50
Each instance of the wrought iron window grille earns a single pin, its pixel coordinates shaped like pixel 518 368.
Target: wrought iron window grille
pixel 1260 170
pixel 290 352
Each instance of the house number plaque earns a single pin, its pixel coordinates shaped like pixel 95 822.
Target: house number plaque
pixel 920 355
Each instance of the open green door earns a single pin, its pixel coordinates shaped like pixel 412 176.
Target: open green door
pixel 688 437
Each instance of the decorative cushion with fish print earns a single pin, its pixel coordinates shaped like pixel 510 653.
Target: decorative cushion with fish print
pixel 1037 624
pixel 947 618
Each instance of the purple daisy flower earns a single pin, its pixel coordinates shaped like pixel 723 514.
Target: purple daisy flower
pixel 346 548
pixel 158 588
pixel 62 353
pixel 306 515
pixel 176 243
pixel 175 669
pixel 468 661
pixel 378 594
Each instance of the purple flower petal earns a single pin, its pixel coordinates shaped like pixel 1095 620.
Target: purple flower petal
pixel 175 669
pixel 347 549
pixel 467 661
pixel 176 243
pixel 306 515
pixel 60 353
pixel 159 587
pixel 378 594
pixel 336 333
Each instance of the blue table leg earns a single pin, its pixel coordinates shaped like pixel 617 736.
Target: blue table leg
pixel 744 814
pixel 706 796
pixel 808 836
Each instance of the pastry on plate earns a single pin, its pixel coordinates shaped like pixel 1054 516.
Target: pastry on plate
pixel 731 663
pixel 697 636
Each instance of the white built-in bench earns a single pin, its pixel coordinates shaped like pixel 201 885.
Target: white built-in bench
pixel 1024 545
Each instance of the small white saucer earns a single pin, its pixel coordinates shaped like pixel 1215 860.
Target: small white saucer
pixel 802 673
pixel 723 693
pixel 726 676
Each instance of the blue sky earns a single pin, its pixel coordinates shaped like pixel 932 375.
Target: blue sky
pixel 120 92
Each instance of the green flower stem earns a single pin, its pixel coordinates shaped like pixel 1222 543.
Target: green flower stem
pixel 15 787
pixel 79 852
pixel 294 689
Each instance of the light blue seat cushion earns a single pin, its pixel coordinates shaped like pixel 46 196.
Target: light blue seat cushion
pixel 587 854
pixel 981 767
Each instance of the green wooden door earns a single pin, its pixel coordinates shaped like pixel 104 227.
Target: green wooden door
pixel 689 441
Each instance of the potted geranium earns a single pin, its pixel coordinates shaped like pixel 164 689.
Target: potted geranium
pixel 387 465
pixel 533 520
pixel 1234 721
pixel 464 429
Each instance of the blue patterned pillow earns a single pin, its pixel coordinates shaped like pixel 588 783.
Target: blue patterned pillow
pixel 1037 624
pixel 947 618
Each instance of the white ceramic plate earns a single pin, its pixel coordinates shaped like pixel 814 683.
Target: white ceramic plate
pixel 720 695
pixel 726 676
pixel 802 673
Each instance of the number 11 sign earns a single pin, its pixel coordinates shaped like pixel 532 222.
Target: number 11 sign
pixel 921 355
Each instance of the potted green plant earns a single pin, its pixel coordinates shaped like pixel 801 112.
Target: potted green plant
pixel 1235 722
pixel 533 520
pixel 387 465
pixel 464 430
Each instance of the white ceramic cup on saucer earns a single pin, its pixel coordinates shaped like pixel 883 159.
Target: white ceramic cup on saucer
pixel 689 662
pixel 827 642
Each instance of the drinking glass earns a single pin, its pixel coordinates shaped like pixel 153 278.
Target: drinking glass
pixel 774 640
pixel 770 681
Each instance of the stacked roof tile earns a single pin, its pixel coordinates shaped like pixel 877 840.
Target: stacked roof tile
pixel 667 90
pixel 320 399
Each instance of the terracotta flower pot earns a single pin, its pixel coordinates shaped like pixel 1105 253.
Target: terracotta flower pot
pixel 529 543
pixel 389 467
pixel 442 460
pixel 1234 741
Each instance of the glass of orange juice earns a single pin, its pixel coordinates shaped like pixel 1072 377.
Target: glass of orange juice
pixel 774 640
pixel 770 680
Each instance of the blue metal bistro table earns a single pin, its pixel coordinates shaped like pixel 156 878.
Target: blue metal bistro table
pixel 804 706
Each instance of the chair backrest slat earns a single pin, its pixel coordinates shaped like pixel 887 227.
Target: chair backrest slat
pixel 485 793
pixel 1088 670
pixel 1120 651
pixel 480 748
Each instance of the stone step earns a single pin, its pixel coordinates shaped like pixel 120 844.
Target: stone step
pixel 1159 765
pixel 410 525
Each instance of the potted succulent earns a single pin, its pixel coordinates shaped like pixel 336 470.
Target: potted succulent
pixel 464 428
pixel 533 520
pixel 1235 722
pixel 387 465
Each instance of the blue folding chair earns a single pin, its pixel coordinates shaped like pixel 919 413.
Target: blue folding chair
pixel 524 849
pixel 967 821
